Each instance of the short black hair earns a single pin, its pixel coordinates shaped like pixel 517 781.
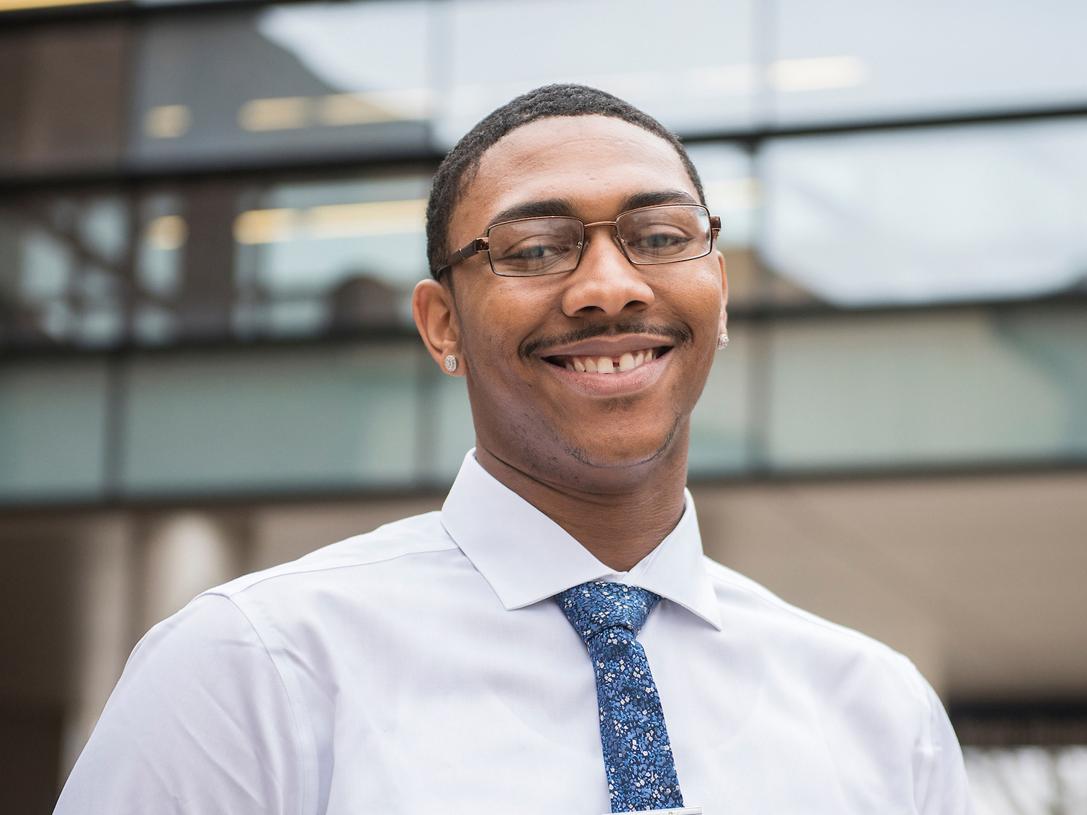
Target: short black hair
pixel 460 164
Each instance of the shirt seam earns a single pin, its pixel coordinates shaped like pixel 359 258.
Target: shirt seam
pixel 930 751
pixel 229 594
pixel 295 714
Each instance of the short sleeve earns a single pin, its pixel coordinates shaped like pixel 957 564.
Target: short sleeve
pixel 941 784
pixel 200 721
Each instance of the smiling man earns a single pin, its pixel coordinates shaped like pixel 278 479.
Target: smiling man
pixel 554 640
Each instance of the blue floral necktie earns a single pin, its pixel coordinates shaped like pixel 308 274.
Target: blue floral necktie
pixel 637 754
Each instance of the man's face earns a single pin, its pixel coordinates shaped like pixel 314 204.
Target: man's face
pixel 520 337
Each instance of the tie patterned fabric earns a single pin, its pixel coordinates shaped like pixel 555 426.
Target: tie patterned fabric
pixel 637 754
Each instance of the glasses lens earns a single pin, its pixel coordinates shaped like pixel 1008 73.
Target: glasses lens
pixel 666 234
pixel 535 246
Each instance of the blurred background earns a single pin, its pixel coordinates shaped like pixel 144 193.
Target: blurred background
pixel 211 219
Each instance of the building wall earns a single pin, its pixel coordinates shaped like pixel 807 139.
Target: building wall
pixel 211 220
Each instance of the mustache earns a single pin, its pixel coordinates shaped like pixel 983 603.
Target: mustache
pixel 678 334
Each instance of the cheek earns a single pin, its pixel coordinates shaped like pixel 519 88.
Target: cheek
pixel 491 334
pixel 698 302
pixel 500 314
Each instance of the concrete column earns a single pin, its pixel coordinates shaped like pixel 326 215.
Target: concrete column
pixel 184 554
pixel 102 626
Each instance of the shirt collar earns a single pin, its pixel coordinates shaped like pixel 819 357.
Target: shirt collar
pixel 526 557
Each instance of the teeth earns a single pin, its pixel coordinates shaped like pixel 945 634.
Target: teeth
pixel 627 361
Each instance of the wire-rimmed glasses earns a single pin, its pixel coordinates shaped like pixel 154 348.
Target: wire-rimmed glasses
pixel 552 244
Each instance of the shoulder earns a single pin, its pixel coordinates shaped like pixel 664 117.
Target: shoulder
pixel 372 556
pixel 822 650
pixel 323 608
pixel 349 591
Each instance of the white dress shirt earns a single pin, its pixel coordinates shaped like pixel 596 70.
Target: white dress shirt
pixel 422 669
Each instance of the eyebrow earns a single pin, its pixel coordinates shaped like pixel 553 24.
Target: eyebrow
pixel 652 199
pixel 534 209
pixel 563 206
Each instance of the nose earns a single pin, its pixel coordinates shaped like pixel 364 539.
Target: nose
pixel 605 283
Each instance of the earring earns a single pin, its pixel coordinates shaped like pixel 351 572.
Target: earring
pixel 450 363
pixel 722 341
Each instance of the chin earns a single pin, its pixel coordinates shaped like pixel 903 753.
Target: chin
pixel 622 452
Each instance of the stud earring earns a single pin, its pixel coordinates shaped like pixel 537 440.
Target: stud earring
pixel 722 341
pixel 450 363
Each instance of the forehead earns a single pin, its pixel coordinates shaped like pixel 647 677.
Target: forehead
pixel 594 162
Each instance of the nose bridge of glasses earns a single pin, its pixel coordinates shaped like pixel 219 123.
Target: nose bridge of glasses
pixel 602 223
pixel 614 234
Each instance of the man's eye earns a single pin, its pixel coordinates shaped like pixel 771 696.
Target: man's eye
pixel 662 239
pixel 537 251
pixel 660 242
pixel 534 255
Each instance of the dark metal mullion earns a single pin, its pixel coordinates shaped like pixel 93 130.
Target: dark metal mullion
pixel 427 160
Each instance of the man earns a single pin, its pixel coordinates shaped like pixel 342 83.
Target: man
pixel 553 641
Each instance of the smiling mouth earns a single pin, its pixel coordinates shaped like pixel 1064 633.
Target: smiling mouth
pixel 597 364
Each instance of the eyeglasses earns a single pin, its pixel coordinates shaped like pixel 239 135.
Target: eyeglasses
pixel 528 247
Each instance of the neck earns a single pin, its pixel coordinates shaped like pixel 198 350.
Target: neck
pixel 618 519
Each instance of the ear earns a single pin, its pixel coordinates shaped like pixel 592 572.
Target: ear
pixel 436 319
pixel 723 328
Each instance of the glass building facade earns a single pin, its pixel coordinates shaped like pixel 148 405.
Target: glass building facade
pixel 212 214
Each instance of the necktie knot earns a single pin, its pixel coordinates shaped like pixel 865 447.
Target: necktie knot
pixel 597 606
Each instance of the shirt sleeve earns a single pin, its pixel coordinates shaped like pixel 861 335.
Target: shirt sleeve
pixel 942 786
pixel 200 721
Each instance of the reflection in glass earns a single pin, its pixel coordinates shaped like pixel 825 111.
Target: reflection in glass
pixel 283 80
pixel 63 273
pixel 329 255
pixel 164 232
pixel 921 216
pixel 689 65
pixel 839 59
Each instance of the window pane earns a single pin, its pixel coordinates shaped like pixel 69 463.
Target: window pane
pixel 61 97
pixel 62 269
pixel 732 193
pixel 316 418
pixel 320 256
pixel 449 422
pixel 52 430
pixel 933 215
pixel 212 259
pixel 720 424
pixel 284 81
pixel 689 65
pixel 839 59
pixel 970 386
